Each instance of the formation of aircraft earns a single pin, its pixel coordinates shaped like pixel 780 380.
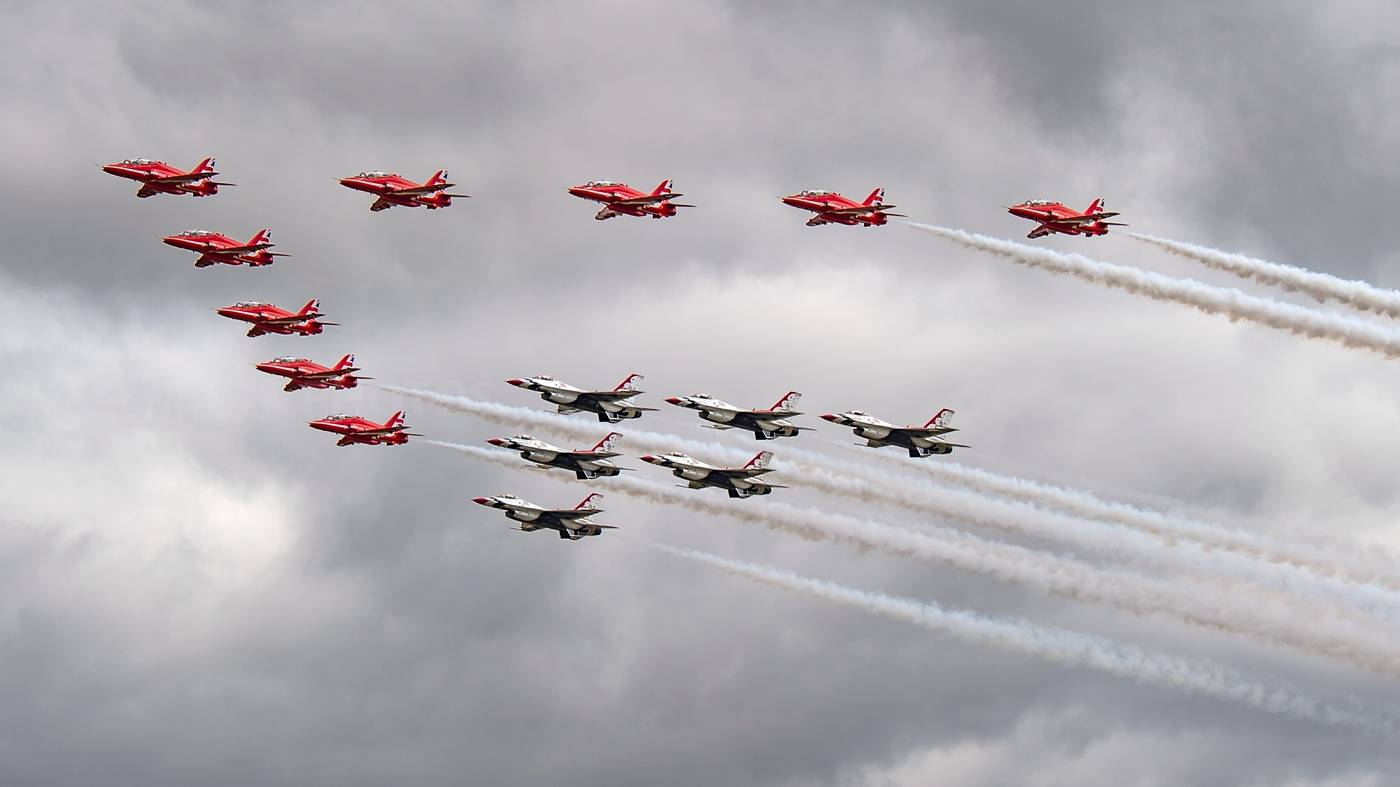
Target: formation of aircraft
pixel 1055 217
pixel 765 424
pixel 571 523
pixel 833 208
pixel 919 441
pixel 584 463
pixel 303 373
pixel 620 199
pixel 267 318
pixel 393 189
pixel 358 430
pixel 216 248
pixel 158 177
pixel 610 406
pixel 737 481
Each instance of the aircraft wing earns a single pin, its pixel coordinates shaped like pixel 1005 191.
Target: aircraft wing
pixel 609 396
pixel 925 431
pixel 329 373
pixel 1088 218
pixel 859 209
pixel 419 191
pixel 573 514
pixel 189 177
pixel 236 250
pixel 289 320
pixel 637 202
pixel 741 472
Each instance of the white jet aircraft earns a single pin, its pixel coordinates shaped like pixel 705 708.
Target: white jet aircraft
pixel 571 523
pixel 765 424
pixel 610 406
pixel 585 463
pixel 737 481
pixel 917 440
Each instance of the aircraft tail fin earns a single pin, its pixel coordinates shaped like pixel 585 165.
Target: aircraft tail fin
pixel 607 443
pixel 206 165
pixel 759 461
pixel 588 502
pixel 312 306
pixel 394 420
pixel 438 177
pixel 1094 207
pixel 877 197
pixel 263 236
pixel 940 420
pixel 629 384
pixel 664 188
pixel 789 401
pixel 344 363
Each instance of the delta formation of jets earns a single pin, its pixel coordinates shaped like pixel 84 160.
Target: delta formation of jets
pixel 609 406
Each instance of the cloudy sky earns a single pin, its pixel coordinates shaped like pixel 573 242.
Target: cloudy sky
pixel 196 588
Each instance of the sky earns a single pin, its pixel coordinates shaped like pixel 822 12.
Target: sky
pixel 197 588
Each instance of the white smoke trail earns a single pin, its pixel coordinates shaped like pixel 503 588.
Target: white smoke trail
pixel 1288 624
pixel 862 483
pixel 1073 649
pixel 1236 305
pixel 1358 295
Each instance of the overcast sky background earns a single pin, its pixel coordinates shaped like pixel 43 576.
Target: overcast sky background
pixel 196 588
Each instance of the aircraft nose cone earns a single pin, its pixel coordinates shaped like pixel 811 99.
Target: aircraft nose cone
pixel 675 400
pixel 481 501
pixel 830 417
pixel 496 441
pixel 516 381
pixel 649 459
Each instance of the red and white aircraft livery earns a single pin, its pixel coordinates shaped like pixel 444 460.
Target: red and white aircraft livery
pixel 215 248
pixel 765 424
pixel 620 198
pixel 585 463
pixel 571 523
pixel 356 429
pixel 157 177
pixel 832 208
pixel 919 441
pixel 1056 217
pixel 302 373
pixel 394 189
pixel 737 481
pixel 267 318
pixel 610 406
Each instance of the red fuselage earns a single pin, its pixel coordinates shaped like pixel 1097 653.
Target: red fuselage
pixel 1055 217
pixel 267 318
pixel 388 185
pixel 833 208
pixel 302 373
pixel 212 249
pixel 613 196
pixel 158 177
pixel 354 429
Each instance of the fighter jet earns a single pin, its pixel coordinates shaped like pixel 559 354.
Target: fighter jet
pixel 832 208
pixel 267 318
pixel 394 189
pixel 1055 217
pixel 737 481
pixel 215 248
pixel 571 523
pixel 919 441
pixel 765 424
pixel 610 406
pixel 303 373
pixel 585 463
pixel 157 177
pixel 356 429
pixel 620 198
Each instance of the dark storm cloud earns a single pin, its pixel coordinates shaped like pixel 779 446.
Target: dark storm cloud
pixel 199 588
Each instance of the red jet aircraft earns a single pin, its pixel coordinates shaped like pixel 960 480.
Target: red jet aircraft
pixel 215 248
pixel 394 189
pixel 356 429
pixel 832 208
pixel 1055 217
pixel 157 177
pixel 267 318
pixel 620 198
pixel 302 373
